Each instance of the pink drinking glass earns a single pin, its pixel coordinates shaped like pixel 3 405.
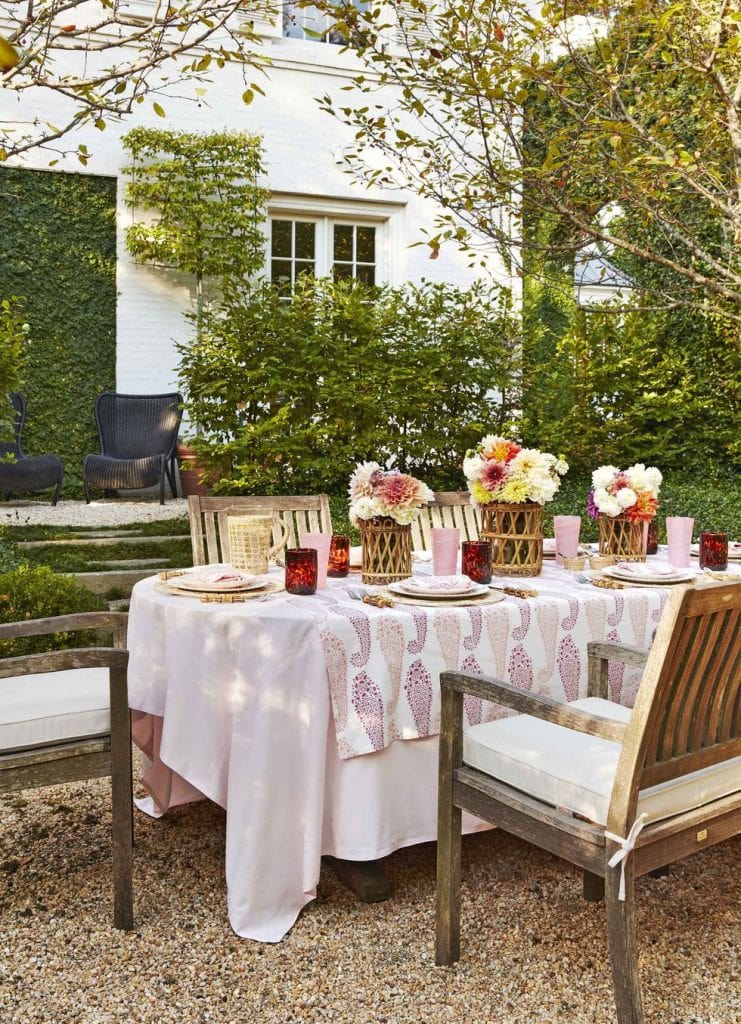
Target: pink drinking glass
pixel 320 541
pixel 566 530
pixel 679 539
pixel 445 543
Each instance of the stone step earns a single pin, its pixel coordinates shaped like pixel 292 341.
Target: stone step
pixel 121 579
pixel 29 545
pixel 132 563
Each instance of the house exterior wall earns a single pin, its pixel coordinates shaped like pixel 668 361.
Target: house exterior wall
pixel 303 149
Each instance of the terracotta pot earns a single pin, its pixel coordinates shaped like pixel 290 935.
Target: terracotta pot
pixel 191 472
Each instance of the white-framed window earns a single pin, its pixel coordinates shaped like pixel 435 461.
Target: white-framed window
pixel 311 24
pixel 323 246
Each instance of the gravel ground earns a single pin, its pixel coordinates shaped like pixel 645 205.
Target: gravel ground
pixel 114 512
pixel 532 949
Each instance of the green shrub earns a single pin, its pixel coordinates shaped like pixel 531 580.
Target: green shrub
pixel 39 593
pixel 289 393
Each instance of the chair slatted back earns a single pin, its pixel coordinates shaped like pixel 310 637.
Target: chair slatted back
pixel 450 508
pixel 209 532
pixel 696 719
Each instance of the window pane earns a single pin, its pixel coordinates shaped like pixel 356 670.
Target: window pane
pixel 366 245
pixel 280 270
pixel 343 242
pixel 366 274
pixel 305 267
pixel 304 240
pixel 342 271
pixel 281 242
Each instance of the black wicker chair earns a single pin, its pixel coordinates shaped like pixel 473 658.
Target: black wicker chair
pixel 27 472
pixel 138 434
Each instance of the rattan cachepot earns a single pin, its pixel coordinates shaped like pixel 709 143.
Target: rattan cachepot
pixel 622 538
pixel 386 552
pixel 515 532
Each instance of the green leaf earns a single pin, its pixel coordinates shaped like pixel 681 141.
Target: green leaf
pixel 159 111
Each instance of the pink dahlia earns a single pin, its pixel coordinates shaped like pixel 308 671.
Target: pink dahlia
pixel 399 489
pixel 492 475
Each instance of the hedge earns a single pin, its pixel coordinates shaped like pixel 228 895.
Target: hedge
pixel 58 251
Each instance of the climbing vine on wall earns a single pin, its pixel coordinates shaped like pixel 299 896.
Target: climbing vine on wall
pixel 58 250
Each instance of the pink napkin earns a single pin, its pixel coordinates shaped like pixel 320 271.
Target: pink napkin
pixel 443 584
pixel 646 570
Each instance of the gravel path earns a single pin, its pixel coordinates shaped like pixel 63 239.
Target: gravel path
pixel 113 512
pixel 532 950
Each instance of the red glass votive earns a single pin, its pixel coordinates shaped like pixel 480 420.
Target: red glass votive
pixel 652 538
pixel 714 550
pixel 339 556
pixel 476 560
pixel 301 570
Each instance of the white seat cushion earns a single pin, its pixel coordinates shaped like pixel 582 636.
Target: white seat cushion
pixel 44 708
pixel 576 771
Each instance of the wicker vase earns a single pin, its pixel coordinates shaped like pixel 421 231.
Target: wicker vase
pixel 516 536
pixel 622 538
pixel 387 550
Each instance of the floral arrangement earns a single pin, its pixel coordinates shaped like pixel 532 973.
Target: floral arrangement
pixel 632 492
pixel 381 492
pixel 500 470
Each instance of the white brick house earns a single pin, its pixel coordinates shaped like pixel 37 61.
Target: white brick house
pixel 316 212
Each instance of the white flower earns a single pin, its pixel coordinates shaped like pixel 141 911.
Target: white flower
pixel 611 506
pixel 472 467
pixel 603 477
pixel 529 460
pixel 625 497
pixel 360 480
pixel 561 466
pixel 364 508
pixel 601 495
pixel 655 479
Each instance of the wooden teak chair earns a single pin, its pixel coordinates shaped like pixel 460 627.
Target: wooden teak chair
pixel 450 508
pixel 616 792
pixel 209 535
pixel 63 721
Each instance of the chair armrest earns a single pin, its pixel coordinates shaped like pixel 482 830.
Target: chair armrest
pixel 59 661
pixel 599 653
pixel 533 704
pixel 114 621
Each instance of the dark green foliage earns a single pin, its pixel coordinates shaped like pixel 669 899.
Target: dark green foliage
pixel 289 395
pixel 58 248
pixel 88 557
pixel 14 332
pixel 39 593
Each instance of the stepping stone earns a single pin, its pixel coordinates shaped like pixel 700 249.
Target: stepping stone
pixel 132 563
pixel 27 545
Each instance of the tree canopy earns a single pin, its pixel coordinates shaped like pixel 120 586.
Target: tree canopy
pixel 620 120
pixel 102 59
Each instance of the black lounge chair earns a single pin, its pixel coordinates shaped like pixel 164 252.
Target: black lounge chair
pixel 138 434
pixel 27 472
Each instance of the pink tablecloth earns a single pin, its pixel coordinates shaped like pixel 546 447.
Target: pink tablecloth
pixel 234 704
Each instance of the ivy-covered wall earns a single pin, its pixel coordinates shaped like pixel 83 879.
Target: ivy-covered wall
pixel 58 251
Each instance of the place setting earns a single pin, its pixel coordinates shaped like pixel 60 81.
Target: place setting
pixel 218 584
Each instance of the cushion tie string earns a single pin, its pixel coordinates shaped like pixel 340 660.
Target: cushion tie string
pixel 626 846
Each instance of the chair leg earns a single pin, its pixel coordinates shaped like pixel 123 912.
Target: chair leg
pixel 448 940
pixel 172 478
pixel 86 491
pixel 123 806
pixel 55 495
pixel 621 937
pixel 593 887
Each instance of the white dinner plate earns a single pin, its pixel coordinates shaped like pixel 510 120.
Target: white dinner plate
pixel 204 584
pixel 678 576
pixel 431 594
